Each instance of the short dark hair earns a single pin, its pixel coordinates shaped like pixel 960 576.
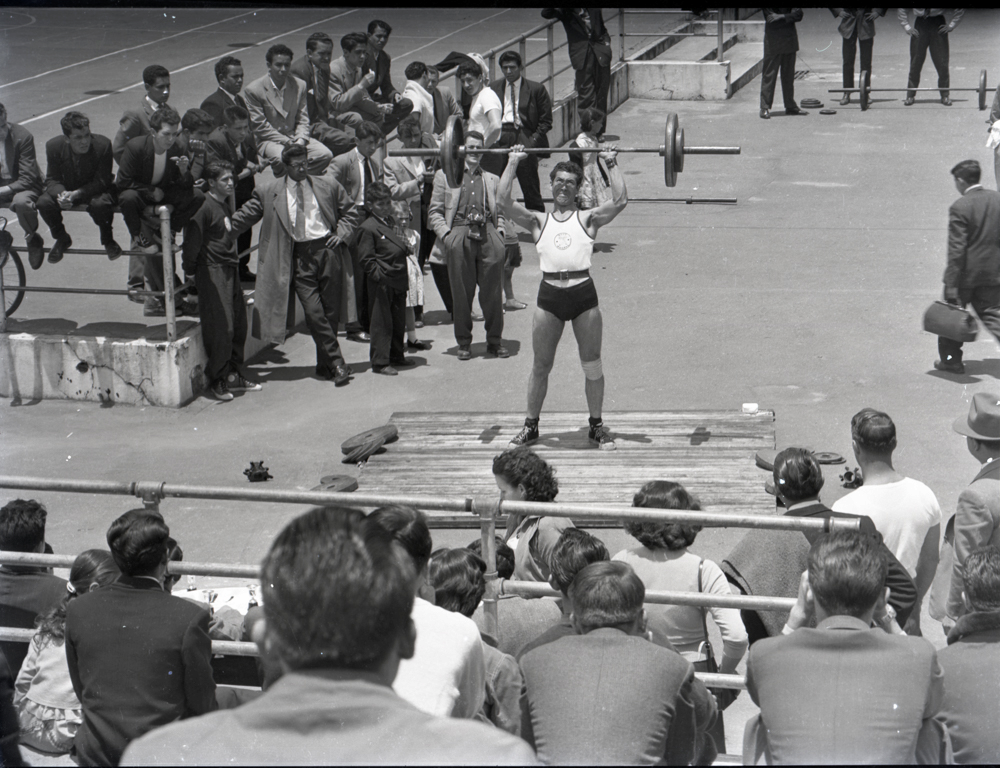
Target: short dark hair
pixel 22 525
pixel 215 169
pixel 277 50
pixel 293 151
pixel 73 120
pixel 981 578
pixel 663 494
pixel 337 591
pixel 415 70
pixel 797 474
pixel 475 135
pixel 368 130
pixel 222 66
pixel 377 192
pixel 606 595
pixel 505 556
pixel 165 115
pixel 470 68
pixel 234 114
pixel 590 118
pixel 409 527
pixel 376 23
pixel 197 120
pixel 314 40
pixel 874 431
pixel 968 171
pixel 522 466
pixel 138 541
pixel 847 571
pixel 510 56
pixel 409 126
pixel 566 166
pixel 352 40
pixel 154 71
pixel 574 551
pixel 459 580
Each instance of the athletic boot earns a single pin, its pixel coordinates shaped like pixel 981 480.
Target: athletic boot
pixel 600 436
pixel 527 435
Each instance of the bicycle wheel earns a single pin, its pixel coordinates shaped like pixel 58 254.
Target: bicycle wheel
pixel 13 281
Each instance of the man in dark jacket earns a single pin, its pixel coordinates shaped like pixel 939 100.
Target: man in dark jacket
pixel 314 70
pixel 21 183
pixel 857 27
pixel 78 173
pixel 781 41
pixel 379 62
pixel 973 272
pixel 589 53
pixel 229 74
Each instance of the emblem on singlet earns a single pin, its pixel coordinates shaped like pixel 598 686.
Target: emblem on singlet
pixel 562 241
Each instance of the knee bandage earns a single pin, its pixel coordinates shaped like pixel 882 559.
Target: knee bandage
pixel 593 369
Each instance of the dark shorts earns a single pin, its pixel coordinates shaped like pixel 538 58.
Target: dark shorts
pixel 512 255
pixel 567 303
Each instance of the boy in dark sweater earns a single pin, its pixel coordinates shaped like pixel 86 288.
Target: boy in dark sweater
pixel 210 256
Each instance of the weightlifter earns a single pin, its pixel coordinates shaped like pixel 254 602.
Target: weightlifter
pixel 564 240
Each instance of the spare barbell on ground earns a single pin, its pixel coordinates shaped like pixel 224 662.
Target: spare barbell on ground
pixel 865 89
pixel 453 151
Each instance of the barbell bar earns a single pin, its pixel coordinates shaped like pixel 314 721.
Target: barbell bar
pixel 865 89
pixel 453 151
pixel 685 200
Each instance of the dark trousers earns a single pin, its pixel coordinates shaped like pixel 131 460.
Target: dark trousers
pixel 471 263
pixel 986 303
pixel 332 138
pixel 443 283
pixel 785 62
pixel 363 323
pixel 244 191
pixel 387 308
pixel 132 203
pixel 929 37
pixel 427 236
pixel 101 209
pixel 851 44
pixel 527 169
pixel 593 81
pixel 318 276
pixel 223 318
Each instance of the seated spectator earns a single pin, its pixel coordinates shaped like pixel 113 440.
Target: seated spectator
pixel 418 81
pixel 350 101
pixel 314 70
pixel 48 708
pixel 78 173
pixel 607 695
pixel 10 750
pixel 196 129
pixel 446 674
pixel 459 580
pixel 970 662
pixel 904 510
pixel 229 75
pixel 382 90
pixel 771 562
pixel 445 104
pixel 139 658
pixel 155 171
pixel 337 598
pixel 842 692
pixel 26 591
pixel 505 556
pixel 21 183
pixel 522 475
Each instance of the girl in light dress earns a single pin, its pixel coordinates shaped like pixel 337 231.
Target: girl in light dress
pixel 594 189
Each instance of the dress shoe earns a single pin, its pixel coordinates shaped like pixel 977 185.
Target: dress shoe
pixel 360 337
pixel 36 250
pixel 246 276
pixel 464 353
pixel 477 318
pixel 418 323
pixel 766 114
pixel 418 344
pixel 514 304
pixel 134 298
pixel 342 374
pixel 795 111
pixel 154 310
pixel 113 250
pixel 846 100
pixel 949 366
pixel 385 370
pixel 497 350
pixel 908 101
pixel 402 363
pixel 946 100
pixel 59 247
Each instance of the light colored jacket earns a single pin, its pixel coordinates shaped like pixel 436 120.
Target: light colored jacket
pixel 273 118
pixel 444 206
pixel 976 524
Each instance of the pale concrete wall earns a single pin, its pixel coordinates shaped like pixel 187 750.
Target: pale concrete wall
pixel 673 80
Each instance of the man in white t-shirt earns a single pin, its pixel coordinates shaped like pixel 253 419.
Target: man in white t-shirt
pixel 487 109
pixel 904 510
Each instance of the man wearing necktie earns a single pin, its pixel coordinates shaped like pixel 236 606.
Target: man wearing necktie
pixel 306 222
pixel 929 30
pixel 229 75
pixel 314 70
pixel 445 103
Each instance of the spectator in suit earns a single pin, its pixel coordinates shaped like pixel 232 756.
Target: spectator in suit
pixel 857 27
pixel 26 591
pixel 135 122
pixel 844 691
pixel 337 598
pixel 307 222
pixel 229 74
pixel 382 90
pixel 139 658
pixel 589 53
pixel 21 183
pixel 976 522
pixel 990 122
pixel 446 675
pixel 196 129
pixel 781 41
pixel 279 116
pixel 973 272
pixel 971 696
pixel 78 172
pixel 314 70
pixel 445 105
pixel 350 100
pixel 418 82
pixel 607 695
pixel 929 30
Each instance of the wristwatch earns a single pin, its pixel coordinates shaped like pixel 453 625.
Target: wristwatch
pixel 886 621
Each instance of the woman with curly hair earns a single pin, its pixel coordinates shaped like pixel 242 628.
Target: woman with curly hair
pixel 47 707
pixel 522 475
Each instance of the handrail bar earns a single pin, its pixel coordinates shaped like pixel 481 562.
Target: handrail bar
pixel 174 567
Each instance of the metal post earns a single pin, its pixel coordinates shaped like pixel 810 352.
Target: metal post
pixel 621 34
pixel 150 493
pixel 3 302
pixel 168 272
pixel 550 38
pixel 487 508
pixel 522 48
pixel 718 56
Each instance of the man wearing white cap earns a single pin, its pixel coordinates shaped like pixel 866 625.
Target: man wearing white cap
pixel 977 517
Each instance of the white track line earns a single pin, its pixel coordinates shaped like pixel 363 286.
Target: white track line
pixel 124 50
pixel 444 37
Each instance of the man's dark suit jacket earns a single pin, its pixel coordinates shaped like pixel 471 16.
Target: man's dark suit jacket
pixel 576 35
pixel 134 123
pixel 533 105
pixel 19 147
pixel 25 593
pixel 383 78
pixel 973 241
pixel 139 658
pixel 317 102
pixel 216 104
pixel 135 169
pixel 382 253
pixel 221 148
pixel 91 178
pixel 780 35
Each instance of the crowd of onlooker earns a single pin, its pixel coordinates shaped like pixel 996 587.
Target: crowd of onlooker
pixel 376 647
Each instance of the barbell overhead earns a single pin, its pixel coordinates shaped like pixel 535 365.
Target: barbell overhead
pixel 685 200
pixel 865 89
pixel 453 151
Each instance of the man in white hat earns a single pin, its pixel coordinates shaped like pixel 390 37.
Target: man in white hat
pixel 977 518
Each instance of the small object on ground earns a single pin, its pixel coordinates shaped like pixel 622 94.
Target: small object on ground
pixel 387 433
pixel 828 457
pixel 811 103
pixel 852 479
pixel 363 452
pixel 828 111
pixel 257 473
pixel 337 484
pixel 949 366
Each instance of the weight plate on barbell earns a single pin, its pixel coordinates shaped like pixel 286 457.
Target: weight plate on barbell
pixel 679 150
pixel 452 163
pixel 982 90
pixel 864 85
pixel 670 150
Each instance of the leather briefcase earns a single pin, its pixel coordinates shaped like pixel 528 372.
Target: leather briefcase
pixel 950 321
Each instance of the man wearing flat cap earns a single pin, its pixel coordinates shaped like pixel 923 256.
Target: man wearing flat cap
pixel 977 517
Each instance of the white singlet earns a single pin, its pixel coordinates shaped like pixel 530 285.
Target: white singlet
pixel 564 246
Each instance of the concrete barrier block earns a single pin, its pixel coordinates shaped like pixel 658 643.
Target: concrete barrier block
pixel 678 80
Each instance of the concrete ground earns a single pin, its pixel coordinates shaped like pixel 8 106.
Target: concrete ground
pixel 806 298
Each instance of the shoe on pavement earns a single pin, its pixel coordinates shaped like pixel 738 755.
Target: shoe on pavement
pixel 464 353
pixel 946 100
pixel 477 318
pixel 600 437
pixel 846 100
pixel 59 247
pixel 908 101
pixel 235 382
pixel 154 310
pixel 342 374
pixel 360 336
pixel 220 391
pixel 113 250
pixel 135 298
pixel 526 436
pixel 795 111
pixel 36 250
pixel 514 305
pixel 953 366
pixel 765 114
pixel 499 350
pixel 385 370
pixel 418 323
pixel 418 344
